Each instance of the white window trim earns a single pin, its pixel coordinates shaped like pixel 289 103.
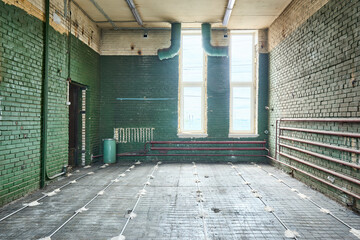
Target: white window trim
pixel 192 135
pixel 253 84
pixel 203 132
pixel 232 135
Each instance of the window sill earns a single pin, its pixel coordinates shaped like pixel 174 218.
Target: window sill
pixel 238 135
pixel 192 135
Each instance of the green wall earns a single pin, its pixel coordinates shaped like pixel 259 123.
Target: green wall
pixel 138 77
pixel 311 76
pixel 147 76
pixel 21 76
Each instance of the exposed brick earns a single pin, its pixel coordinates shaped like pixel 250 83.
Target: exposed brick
pixel 21 71
pixel 310 77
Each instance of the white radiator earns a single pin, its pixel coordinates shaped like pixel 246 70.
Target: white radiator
pixel 133 135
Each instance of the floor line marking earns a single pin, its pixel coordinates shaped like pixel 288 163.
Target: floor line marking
pixel 140 195
pixel 351 229
pixel 293 234
pixel 83 208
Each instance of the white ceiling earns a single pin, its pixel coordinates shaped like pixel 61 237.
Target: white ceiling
pixel 246 14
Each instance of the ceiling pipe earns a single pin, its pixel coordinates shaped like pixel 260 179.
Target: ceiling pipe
pixel 134 12
pixel 228 11
pixel 174 48
pixel 208 48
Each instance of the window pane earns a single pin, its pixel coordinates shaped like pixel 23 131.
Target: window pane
pixel 192 59
pixel 241 109
pixel 241 58
pixel 192 108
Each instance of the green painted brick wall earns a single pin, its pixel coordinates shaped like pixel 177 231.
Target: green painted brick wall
pixel 147 76
pixel 138 77
pixel 21 74
pixel 85 69
pixel 311 75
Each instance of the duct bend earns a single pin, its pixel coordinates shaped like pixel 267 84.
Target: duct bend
pixel 208 48
pixel 173 50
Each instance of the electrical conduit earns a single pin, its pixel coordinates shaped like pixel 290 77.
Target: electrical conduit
pixel 45 102
pixel 45 96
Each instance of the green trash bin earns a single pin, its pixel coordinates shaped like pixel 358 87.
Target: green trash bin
pixel 109 150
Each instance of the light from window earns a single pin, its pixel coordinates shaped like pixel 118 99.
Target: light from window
pixel 242 108
pixel 192 86
pixel 192 108
pixel 242 58
pixel 242 84
pixel 192 59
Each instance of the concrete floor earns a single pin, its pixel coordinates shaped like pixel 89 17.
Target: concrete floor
pixel 171 208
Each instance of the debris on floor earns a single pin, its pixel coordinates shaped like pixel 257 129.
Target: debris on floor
pixel 325 210
pixel 131 215
pixel 202 214
pixel 50 194
pixel 268 209
pixel 303 196
pixel 121 237
pixel 291 234
pixel 215 210
pixel 83 209
pixel 32 204
pixel 355 232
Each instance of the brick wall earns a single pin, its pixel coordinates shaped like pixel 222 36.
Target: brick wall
pixel 312 73
pixel 85 69
pixel 83 27
pixel 132 42
pixel 147 76
pixel 138 77
pixel 21 76
pixel 295 14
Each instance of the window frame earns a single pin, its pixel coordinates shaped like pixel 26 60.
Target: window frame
pixel 202 84
pixel 253 132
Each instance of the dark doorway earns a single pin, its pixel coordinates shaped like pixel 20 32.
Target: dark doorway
pixel 74 123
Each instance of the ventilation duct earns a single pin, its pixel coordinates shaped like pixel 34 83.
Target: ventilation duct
pixel 173 50
pixel 208 48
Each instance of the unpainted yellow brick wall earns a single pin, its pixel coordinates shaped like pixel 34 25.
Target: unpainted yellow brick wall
pixel 132 42
pixel 291 18
pixel 82 27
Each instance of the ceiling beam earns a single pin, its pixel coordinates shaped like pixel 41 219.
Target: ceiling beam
pixel 134 11
pixel 103 13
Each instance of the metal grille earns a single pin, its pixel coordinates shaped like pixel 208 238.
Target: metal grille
pixel 83 126
pixel 133 135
